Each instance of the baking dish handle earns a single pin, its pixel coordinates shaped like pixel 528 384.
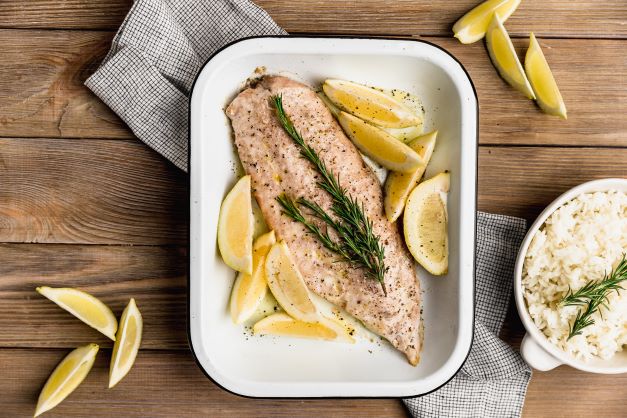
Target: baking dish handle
pixel 536 356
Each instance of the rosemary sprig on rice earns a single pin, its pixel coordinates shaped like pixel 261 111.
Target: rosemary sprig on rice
pixel 593 295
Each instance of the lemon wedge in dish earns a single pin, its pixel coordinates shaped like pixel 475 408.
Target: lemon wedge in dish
pixel 474 24
pixel 414 103
pixel 504 58
pixel 287 284
pixel 425 224
pixel 84 306
pixel 398 185
pixel 236 226
pixel 126 344
pixel 379 145
pixel 66 377
pixel 286 326
pixel 370 104
pixel 250 289
pixel 548 95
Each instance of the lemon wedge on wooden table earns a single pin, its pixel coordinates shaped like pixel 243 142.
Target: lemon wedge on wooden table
pixel 287 284
pixel 236 227
pixel 504 58
pixel 425 223
pixel 474 24
pixel 126 344
pixel 379 145
pixel 66 377
pixel 398 185
pixel 84 306
pixel 250 289
pixel 286 326
pixel 370 104
pixel 548 95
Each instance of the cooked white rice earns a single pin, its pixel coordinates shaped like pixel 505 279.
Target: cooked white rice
pixel 581 241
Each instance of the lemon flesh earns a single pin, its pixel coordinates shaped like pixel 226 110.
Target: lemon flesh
pixel 370 104
pixel 236 227
pixel 414 103
pixel 287 284
pixel 66 377
pixel 379 145
pixel 474 24
pixel 126 344
pixel 250 289
pixel 284 325
pixel 504 58
pixel 425 224
pixel 548 94
pixel 84 306
pixel 398 185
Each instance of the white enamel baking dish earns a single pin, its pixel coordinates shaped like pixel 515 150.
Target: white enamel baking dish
pixel 285 367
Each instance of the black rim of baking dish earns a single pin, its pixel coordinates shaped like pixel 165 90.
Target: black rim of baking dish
pixel 189 169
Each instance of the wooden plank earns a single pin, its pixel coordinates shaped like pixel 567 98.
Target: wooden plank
pixel 104 192
pixel 121 192
pixel 161 384
pixel 521 181
pixel 562 18
pixel 41 85
pixel 42 95
pixel 155 276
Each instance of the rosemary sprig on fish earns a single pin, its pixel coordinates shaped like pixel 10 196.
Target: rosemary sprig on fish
pixel 356 242
pixel 593 295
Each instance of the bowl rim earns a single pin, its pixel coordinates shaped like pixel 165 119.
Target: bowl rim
pixel 532 330
pixel 464 357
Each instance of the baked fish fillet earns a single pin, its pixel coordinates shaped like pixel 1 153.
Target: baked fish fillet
pixel 273 161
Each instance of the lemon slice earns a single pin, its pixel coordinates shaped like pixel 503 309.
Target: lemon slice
pixel 236 227
pixel 250 289
pixel 286 326
pixel 425 224
pixel 66 377
pixel 474 24
pixel 127 343
pixel 370 104
pixel 84 306
pixel 504 58
pixel 287 284
pixel 379 145
pixel 398 185
pixel 548 95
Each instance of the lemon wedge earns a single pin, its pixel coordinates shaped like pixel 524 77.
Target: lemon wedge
pixel 414 103
pixel 504 58
pixel 84 306
pixel 66 377
pixel 287 284
pixel 250 289
pixel 474 24
pixel 126 344
pixel 379 145
pixel 398 185
pixel 286 326
pixel 548 95
pixel 425 224
pixel 236 226
pixel 370 104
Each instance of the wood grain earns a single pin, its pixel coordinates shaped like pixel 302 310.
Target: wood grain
pixel 155 276
pixel 42 92
pixel 104 192
pixel 161 384
pixel 41 85
pixel 563 18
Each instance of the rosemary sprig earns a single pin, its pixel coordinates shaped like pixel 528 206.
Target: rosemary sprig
pixel 356 243
pixel 593 295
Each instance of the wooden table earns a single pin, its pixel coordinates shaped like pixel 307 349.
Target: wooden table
pixel 84 203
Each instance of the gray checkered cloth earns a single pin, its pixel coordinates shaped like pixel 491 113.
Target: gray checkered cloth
pixel 146 79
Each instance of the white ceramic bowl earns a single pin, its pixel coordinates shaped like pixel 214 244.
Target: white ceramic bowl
pixel 536 348
pixel 283 367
